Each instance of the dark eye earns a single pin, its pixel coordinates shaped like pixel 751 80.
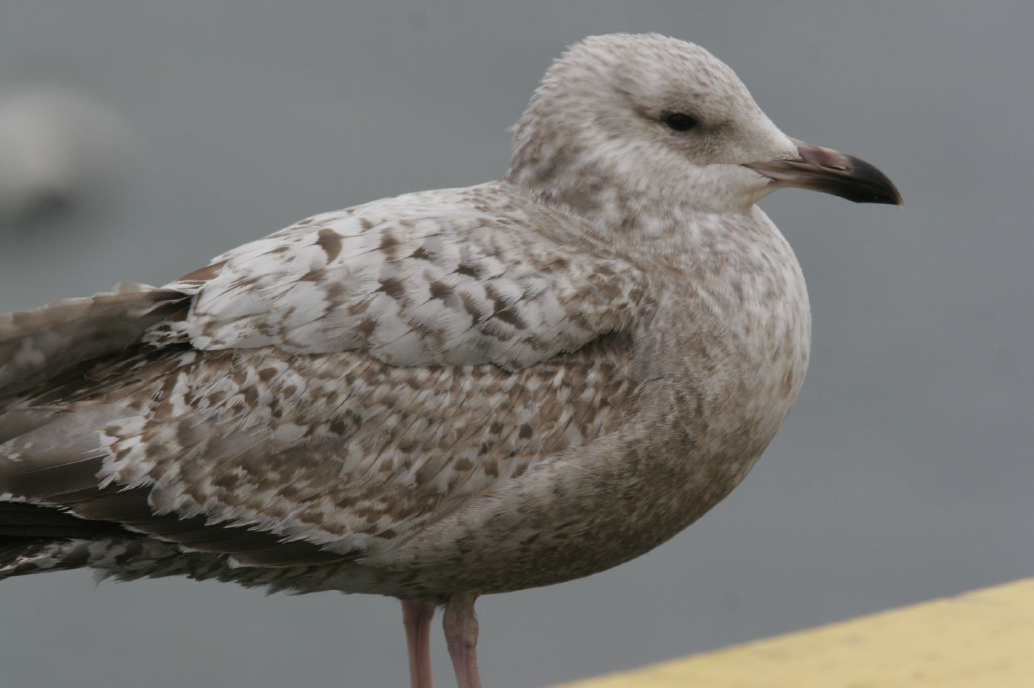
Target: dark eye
pixel 678 121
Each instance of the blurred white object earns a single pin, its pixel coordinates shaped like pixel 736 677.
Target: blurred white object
pixel 57 146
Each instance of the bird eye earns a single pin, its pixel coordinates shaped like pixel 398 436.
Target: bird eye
pixel 677 121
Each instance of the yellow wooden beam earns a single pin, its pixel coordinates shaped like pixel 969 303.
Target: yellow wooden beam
pixel 981 639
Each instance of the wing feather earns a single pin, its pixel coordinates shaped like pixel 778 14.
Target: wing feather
pixel 40 344
pixel 334 387
pixel 414 283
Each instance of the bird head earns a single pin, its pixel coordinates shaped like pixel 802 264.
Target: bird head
pixel 666 122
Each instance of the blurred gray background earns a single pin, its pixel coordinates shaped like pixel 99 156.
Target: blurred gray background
pixel 904 473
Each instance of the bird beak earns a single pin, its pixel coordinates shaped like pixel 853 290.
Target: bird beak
pixel 832 172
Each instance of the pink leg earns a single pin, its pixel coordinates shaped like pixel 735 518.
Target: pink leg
pixel 417 615
pixel 461 634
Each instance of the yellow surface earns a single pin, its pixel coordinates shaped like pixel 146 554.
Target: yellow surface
pixel 977 640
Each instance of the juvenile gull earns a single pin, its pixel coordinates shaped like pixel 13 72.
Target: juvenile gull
pixel 449 393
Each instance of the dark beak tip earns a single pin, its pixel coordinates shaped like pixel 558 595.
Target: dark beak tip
pixel 861 175
pixel 892 197
pixel 879 199
pixel 898 200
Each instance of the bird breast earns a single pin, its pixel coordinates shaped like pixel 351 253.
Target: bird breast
pixel 718 359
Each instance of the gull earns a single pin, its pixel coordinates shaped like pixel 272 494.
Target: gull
pixel 449 393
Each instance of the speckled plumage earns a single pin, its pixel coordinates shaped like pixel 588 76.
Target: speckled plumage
pixel 438 395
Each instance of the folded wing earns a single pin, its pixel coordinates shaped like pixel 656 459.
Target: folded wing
pixel 330 389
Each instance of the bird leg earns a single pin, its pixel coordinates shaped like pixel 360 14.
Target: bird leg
pixel 461 635
pixel 417 615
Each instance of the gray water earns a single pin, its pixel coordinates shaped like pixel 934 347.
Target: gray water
pixel 905 471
